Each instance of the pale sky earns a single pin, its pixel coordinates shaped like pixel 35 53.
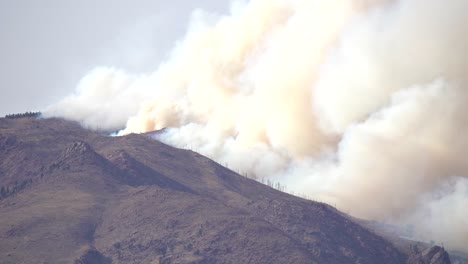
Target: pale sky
pixel 47 46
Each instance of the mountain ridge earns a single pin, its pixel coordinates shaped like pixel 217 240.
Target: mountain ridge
pixel 132 199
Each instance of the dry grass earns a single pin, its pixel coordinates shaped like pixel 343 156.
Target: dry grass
pixel 135 200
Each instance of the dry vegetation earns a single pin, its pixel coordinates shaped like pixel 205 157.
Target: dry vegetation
pixel 82 197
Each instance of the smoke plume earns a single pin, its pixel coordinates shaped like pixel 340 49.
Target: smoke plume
pixel 356 103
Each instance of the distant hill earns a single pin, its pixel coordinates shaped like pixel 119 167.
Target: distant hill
pixel 75 196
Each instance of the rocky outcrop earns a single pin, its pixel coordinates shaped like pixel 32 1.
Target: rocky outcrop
pixel 79 149
pixel 433 255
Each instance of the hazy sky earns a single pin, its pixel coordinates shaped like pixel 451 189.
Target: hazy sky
pixel 47 46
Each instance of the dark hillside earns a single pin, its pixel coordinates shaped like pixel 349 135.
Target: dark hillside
pixel 82 197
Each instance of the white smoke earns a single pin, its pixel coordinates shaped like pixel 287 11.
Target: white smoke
pixel 356 103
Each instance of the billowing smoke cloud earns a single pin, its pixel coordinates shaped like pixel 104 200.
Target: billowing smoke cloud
pixel 357 103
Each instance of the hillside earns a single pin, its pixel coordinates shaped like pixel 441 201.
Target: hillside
pixel 70 195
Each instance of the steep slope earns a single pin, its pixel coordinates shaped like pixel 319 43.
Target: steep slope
pixel 72 195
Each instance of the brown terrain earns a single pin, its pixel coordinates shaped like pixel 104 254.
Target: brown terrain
pixel 69 195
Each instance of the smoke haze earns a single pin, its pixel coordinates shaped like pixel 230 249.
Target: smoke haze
pixel 356 103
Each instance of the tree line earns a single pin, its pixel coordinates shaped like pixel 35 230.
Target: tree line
pixel 23 115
